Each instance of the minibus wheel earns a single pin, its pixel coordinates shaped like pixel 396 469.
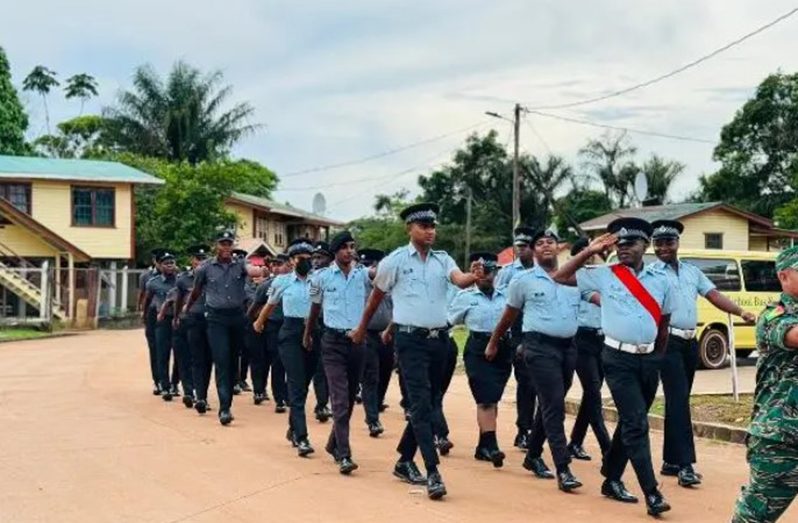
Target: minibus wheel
pixel 713 350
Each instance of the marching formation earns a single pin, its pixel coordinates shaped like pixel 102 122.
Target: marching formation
pixel 342 318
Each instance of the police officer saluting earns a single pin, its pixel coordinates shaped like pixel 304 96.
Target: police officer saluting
pixel 550 322
pixel 636 304
pixel 222 280
pixel 340 291
pixel 681 358
pixel 417 277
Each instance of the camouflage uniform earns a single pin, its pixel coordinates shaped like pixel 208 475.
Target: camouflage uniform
pixel 773 434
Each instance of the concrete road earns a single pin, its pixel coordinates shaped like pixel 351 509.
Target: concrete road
pixel 84 440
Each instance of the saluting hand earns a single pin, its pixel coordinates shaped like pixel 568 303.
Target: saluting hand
pixel 491 350
pixel 477 269
pixel 748 317
pixel 602 243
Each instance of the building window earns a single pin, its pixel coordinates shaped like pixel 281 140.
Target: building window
pixel 279 234
pixel 713 240
pixel 92 207
pixel 262 228
pixel 18 194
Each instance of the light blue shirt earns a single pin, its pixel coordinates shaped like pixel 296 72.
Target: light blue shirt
pixel 549 308
pixel 419 287
pixel 623 318
pixel 589 315
pixel 507 273
pixel 685 286
pixel 478 311
pixel 342 296
pixel 293 292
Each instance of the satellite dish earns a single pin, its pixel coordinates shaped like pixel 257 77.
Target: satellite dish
pixel 319 204
pixel 641 187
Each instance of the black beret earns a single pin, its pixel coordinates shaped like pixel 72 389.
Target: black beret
pixel 339 240
pixel 420 212
pixel 371 255
pixel 226 236
pixel 666 229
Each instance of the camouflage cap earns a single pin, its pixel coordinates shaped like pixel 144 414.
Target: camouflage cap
pixel 787 259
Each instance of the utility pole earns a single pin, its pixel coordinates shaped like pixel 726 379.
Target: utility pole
pixel 469 198
pixel 516 168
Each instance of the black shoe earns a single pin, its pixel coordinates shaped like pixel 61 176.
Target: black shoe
pixel 538 467
pixel 617 490
pixel 656 504
pixel 188 401
pixel 435 487
pixel 383 407
pixel 521 441
pixel 156 390
pixel 375 429
pixel 245 386
pixel 494 456
pixel 166 395
pixel 266 396
pixel 289 435
pixel 304 449
pixel 578 452
pixel 236 389
pixel 688 477
pixel 346 466
pixel 669 470
pixel 444 446
pixel 323 415
pixel 258 398
pixel 408 472
pixel 201 406
pixel 225 417
pixel 280 408
pixel 566 481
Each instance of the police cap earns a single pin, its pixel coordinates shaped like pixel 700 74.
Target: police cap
pixel 666 229
pixel 629 230
pixel 420 213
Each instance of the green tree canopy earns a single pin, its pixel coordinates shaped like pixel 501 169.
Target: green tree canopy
pixel 13 119
pixel 181 118
pixel 41 80
pixel 81 137
pixel 660 174
pixel 609 160
pixel 82 86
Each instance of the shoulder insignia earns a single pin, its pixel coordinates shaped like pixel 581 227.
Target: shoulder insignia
pixel 774 312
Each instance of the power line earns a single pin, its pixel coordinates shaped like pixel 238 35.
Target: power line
pixel 670 74
pixel 539 136
pixel 627 129
pixel 384 153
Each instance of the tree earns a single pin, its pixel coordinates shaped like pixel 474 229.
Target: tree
pixel 41 80
pixel 181 118
pixel 13 119
pixel 758 150
pixel 384 230
pixel 579 205
pixel 547 179
pixel 660 174
pixel 609 161
pixel 81 86
pixel 81 137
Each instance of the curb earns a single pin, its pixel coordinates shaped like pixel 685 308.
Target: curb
pixel 716 431
pixel 31 338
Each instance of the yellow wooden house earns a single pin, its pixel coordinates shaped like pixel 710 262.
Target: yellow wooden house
pixel 711 225
pixel 63 214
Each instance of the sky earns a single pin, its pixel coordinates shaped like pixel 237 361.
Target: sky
pixel 337 81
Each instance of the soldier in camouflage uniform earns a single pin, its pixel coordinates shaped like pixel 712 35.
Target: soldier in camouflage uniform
pixel 773 435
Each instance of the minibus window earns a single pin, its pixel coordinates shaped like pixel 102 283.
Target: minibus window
pixel 723 273
pixel 760 276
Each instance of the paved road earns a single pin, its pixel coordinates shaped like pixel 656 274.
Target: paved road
pixel 84 440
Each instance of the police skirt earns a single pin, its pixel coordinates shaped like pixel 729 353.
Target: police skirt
pixel 487 379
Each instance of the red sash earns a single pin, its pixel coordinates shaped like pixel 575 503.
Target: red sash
pixel 633 285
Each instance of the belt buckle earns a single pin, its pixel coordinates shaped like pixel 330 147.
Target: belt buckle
pixel 433 333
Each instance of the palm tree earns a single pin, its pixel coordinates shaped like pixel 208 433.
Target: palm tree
pixel 41 80
pixel 181 118
pixel 660 174
pixel 547 178
pixel 609 159
pixel 82 86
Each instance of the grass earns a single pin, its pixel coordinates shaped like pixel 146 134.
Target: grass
pixel 715 409
pixel 22 333
pixel 460 337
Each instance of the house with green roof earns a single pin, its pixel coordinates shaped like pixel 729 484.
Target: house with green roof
pixel 711 225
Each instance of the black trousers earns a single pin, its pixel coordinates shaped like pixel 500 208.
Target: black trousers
pixel 279 387
pixel 201 357
pixel 320 389
pixel 164 343
pixel 260 357
pixel 150 320
pixel 225 333
pixel 589 345
pixel 243 357
pixel 633 381
pixel 343 365
pixel 377 368
pixel 450 364
pixel 183 358
pixel 421 363
pixel 678 371
pixel 550 363
pixel 300 366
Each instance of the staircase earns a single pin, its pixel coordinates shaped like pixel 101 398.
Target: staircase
pixel 14 280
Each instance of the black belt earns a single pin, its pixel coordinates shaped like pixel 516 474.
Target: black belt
pixel 288 320
pixel 422 331
pixel 590 331
pixel 553 340
pixel 486 335
pixel 228 311
pixel 337 332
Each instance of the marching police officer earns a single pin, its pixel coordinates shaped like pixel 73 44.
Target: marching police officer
pixel 243 353
pixel 681 358
pixel 321 259
pixel 149 316
pixel 192 322
pixel 525 395
pixel 550 322
pixel 340 291
pixel 378 359
pixel 479 308
pixel 293 291
pixel 636 304
pixel 157 290
pixel 222 279
pixel 589 342
pixel 773 434
pixel 417 277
